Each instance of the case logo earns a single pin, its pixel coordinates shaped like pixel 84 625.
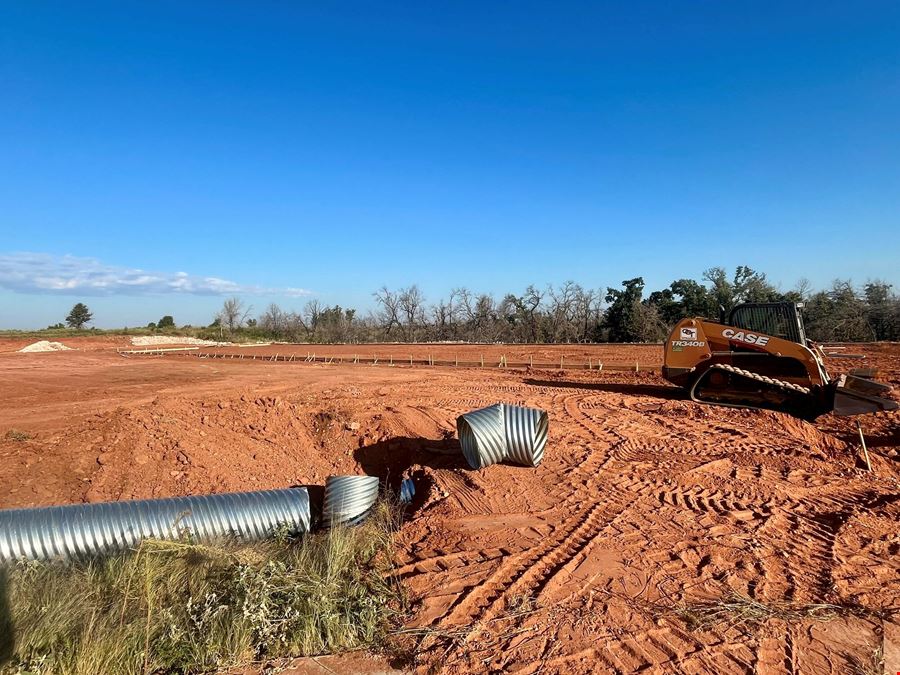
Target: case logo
pixel 749 338
pixel 688 334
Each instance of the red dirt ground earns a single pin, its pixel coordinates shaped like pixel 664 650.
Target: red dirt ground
pixel 645 503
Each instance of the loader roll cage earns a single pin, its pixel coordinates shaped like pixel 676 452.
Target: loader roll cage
pixel 779 319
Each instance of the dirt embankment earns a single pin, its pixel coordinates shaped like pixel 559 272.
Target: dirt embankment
pixel 645 502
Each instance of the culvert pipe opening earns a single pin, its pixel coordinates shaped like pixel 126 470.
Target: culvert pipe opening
pixel 503 432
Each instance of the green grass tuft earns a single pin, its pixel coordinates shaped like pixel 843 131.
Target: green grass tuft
pixel 18 436
pixel 188 608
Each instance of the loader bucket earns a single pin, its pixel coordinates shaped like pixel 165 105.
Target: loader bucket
pixel 859 396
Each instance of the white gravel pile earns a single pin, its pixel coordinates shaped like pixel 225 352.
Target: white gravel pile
pixel 45 346
pixel 149 340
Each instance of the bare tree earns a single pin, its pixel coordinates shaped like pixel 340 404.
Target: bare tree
pixel 412 305
pixel 587 314
pixel 312 312
pixel 563 304
pixel 389 316
pixel 531 301
pixel 441 319
pixel 485 317
pixel 803 288
pixel 274 320
pixel 233 313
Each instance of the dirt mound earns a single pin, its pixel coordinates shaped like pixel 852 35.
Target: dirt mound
pixel 151 340
pixel 45 346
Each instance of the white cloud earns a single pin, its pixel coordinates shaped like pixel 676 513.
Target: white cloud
pixel 69 275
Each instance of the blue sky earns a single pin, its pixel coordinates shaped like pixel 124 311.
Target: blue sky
pixel 157 156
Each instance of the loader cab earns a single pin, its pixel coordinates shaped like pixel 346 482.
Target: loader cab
pixel 778 319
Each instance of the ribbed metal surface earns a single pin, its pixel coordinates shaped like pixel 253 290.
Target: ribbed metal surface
pixel 503 432
pixel 526 434
pixel 82 530
pixel 348 499
pixel 407 490
pixel 481 436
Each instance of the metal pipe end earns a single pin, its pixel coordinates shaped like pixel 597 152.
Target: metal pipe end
pixel 348 499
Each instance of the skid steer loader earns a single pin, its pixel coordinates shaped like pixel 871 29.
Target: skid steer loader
pixel 760 357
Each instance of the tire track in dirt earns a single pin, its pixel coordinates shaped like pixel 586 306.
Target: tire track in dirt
pixel 533 566
pixel 532 581
pixel 739 509
pixel 527 570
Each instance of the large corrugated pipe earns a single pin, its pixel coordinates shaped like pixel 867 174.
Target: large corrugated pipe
pixel 83 530
pixel 503 432
pixel 348 499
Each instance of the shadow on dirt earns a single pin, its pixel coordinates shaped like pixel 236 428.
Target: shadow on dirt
pixel 393 459
pixel 655 390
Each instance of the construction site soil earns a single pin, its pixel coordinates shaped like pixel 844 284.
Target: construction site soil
pixel 658 534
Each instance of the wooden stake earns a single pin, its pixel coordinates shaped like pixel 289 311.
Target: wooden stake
pixel 482 360
pixel 862 441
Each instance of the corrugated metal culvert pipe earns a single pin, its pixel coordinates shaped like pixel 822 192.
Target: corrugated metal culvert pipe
pixel 348 499
pixel 503 432
pixel 83 530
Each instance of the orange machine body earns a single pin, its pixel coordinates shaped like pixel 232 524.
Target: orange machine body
pixel 695 344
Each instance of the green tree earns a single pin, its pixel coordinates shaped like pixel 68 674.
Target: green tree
pixel 166 322
pixel 684 298
pixel 79 316
pixel 883 310
pixel 622 316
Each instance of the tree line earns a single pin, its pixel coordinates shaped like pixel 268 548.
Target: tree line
pixel 571 313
